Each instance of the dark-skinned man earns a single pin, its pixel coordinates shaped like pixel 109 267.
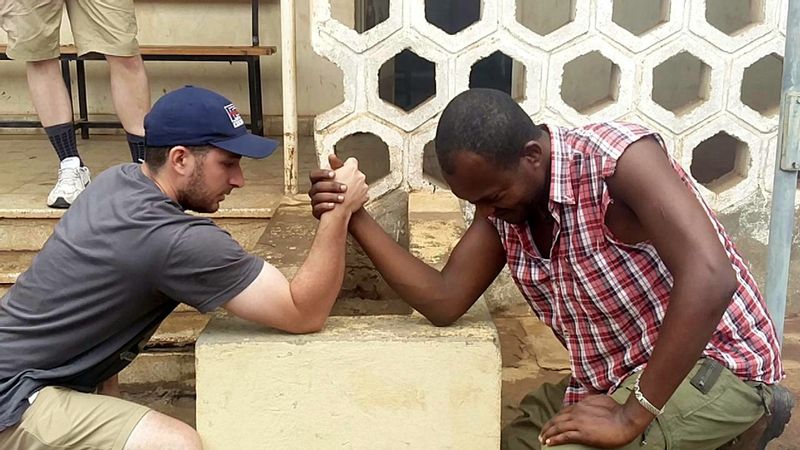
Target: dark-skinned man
pixel 613 247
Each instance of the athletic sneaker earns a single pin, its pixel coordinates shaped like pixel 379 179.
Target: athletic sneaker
pixel 71 182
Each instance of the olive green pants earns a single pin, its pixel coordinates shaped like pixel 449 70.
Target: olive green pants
pixel 691 419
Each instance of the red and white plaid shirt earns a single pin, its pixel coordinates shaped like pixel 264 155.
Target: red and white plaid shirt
pixel 604 299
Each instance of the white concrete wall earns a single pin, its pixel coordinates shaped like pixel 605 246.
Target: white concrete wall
pixel 753 30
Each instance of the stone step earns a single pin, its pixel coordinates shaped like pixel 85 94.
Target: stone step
pixel 170 369
pixel 12 264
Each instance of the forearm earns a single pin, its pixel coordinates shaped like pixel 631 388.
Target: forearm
pixel 687 327
pixel 317 283
pixel 418 284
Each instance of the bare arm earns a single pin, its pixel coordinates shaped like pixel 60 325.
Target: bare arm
pixel 442 297
pixel 303 305
pixel 704 281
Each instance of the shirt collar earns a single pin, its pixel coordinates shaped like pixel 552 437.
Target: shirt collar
pixel 561 161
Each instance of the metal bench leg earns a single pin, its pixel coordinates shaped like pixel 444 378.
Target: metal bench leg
pixel 254 83
pixel 82 108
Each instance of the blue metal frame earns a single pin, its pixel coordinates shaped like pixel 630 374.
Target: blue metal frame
pixel 784 188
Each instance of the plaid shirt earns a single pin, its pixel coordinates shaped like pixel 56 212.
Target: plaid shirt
pixel 605 300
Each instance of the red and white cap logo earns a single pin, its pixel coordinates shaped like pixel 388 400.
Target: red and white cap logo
pixel 233 114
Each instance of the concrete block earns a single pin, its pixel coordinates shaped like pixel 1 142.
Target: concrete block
pixel 386 382
pixel 744 182
pixel 713 91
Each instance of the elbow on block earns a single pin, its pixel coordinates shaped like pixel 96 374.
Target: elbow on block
pixel 307 326
pixel 442 320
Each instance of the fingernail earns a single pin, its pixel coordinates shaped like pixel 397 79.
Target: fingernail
pixel 547 442
pixel 343 187
pixel 331 174
pixel 340 198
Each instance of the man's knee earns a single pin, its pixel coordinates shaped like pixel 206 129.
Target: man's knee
pixel 127 63
pixel 519 437
pixel 157 430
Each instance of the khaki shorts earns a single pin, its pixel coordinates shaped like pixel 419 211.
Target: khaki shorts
pixel 61 418
pixel 692 420
pixel 107 27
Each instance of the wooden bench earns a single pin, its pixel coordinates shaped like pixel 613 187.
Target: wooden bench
pixel 249 54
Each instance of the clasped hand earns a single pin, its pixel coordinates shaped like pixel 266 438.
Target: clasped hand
pixel 344 185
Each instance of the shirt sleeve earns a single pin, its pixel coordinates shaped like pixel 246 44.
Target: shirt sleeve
pixel 613 138
pixel 206 267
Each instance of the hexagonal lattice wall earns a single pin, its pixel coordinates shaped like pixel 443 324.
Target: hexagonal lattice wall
pixel 705 74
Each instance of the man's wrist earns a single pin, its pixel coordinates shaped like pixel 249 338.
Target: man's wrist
pixel 358 215
pixel 636 414
pixel 338 213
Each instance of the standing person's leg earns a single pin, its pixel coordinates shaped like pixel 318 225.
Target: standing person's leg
pixel 130 93
pixel 61 418
pixel 110 28
pixel 33 33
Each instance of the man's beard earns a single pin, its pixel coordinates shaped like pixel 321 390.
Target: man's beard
pixel 196 197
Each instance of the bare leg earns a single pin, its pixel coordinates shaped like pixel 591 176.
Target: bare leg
pixel 157 430
pixel 49 95
pixel 130 91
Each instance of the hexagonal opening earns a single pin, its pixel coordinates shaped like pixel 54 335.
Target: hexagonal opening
pixel 720 162
pixel 360 15
pixel 681 83
pixel 430 166
pixel 453 16
pixel 501 72
pixel 640 16
pixel 761 85
pixel 370 150
pixel 590 82
pixel 407 80
pixel 734 16
pixel 545 16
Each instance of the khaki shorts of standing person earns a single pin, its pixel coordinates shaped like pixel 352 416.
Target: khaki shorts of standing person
pixel 33 27
pixel 61 418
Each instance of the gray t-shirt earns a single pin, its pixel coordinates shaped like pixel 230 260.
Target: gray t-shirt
pixel 121 256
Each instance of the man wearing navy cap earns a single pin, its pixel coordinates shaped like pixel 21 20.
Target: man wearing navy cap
pixel 136 252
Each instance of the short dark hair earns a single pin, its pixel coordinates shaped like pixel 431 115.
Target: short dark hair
pixel 155 157
pixel 487 122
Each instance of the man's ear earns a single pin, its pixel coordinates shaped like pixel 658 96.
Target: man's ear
pixel 532 153
pixel 179 158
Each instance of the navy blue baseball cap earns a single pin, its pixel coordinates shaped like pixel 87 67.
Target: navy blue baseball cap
pixel 196 116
